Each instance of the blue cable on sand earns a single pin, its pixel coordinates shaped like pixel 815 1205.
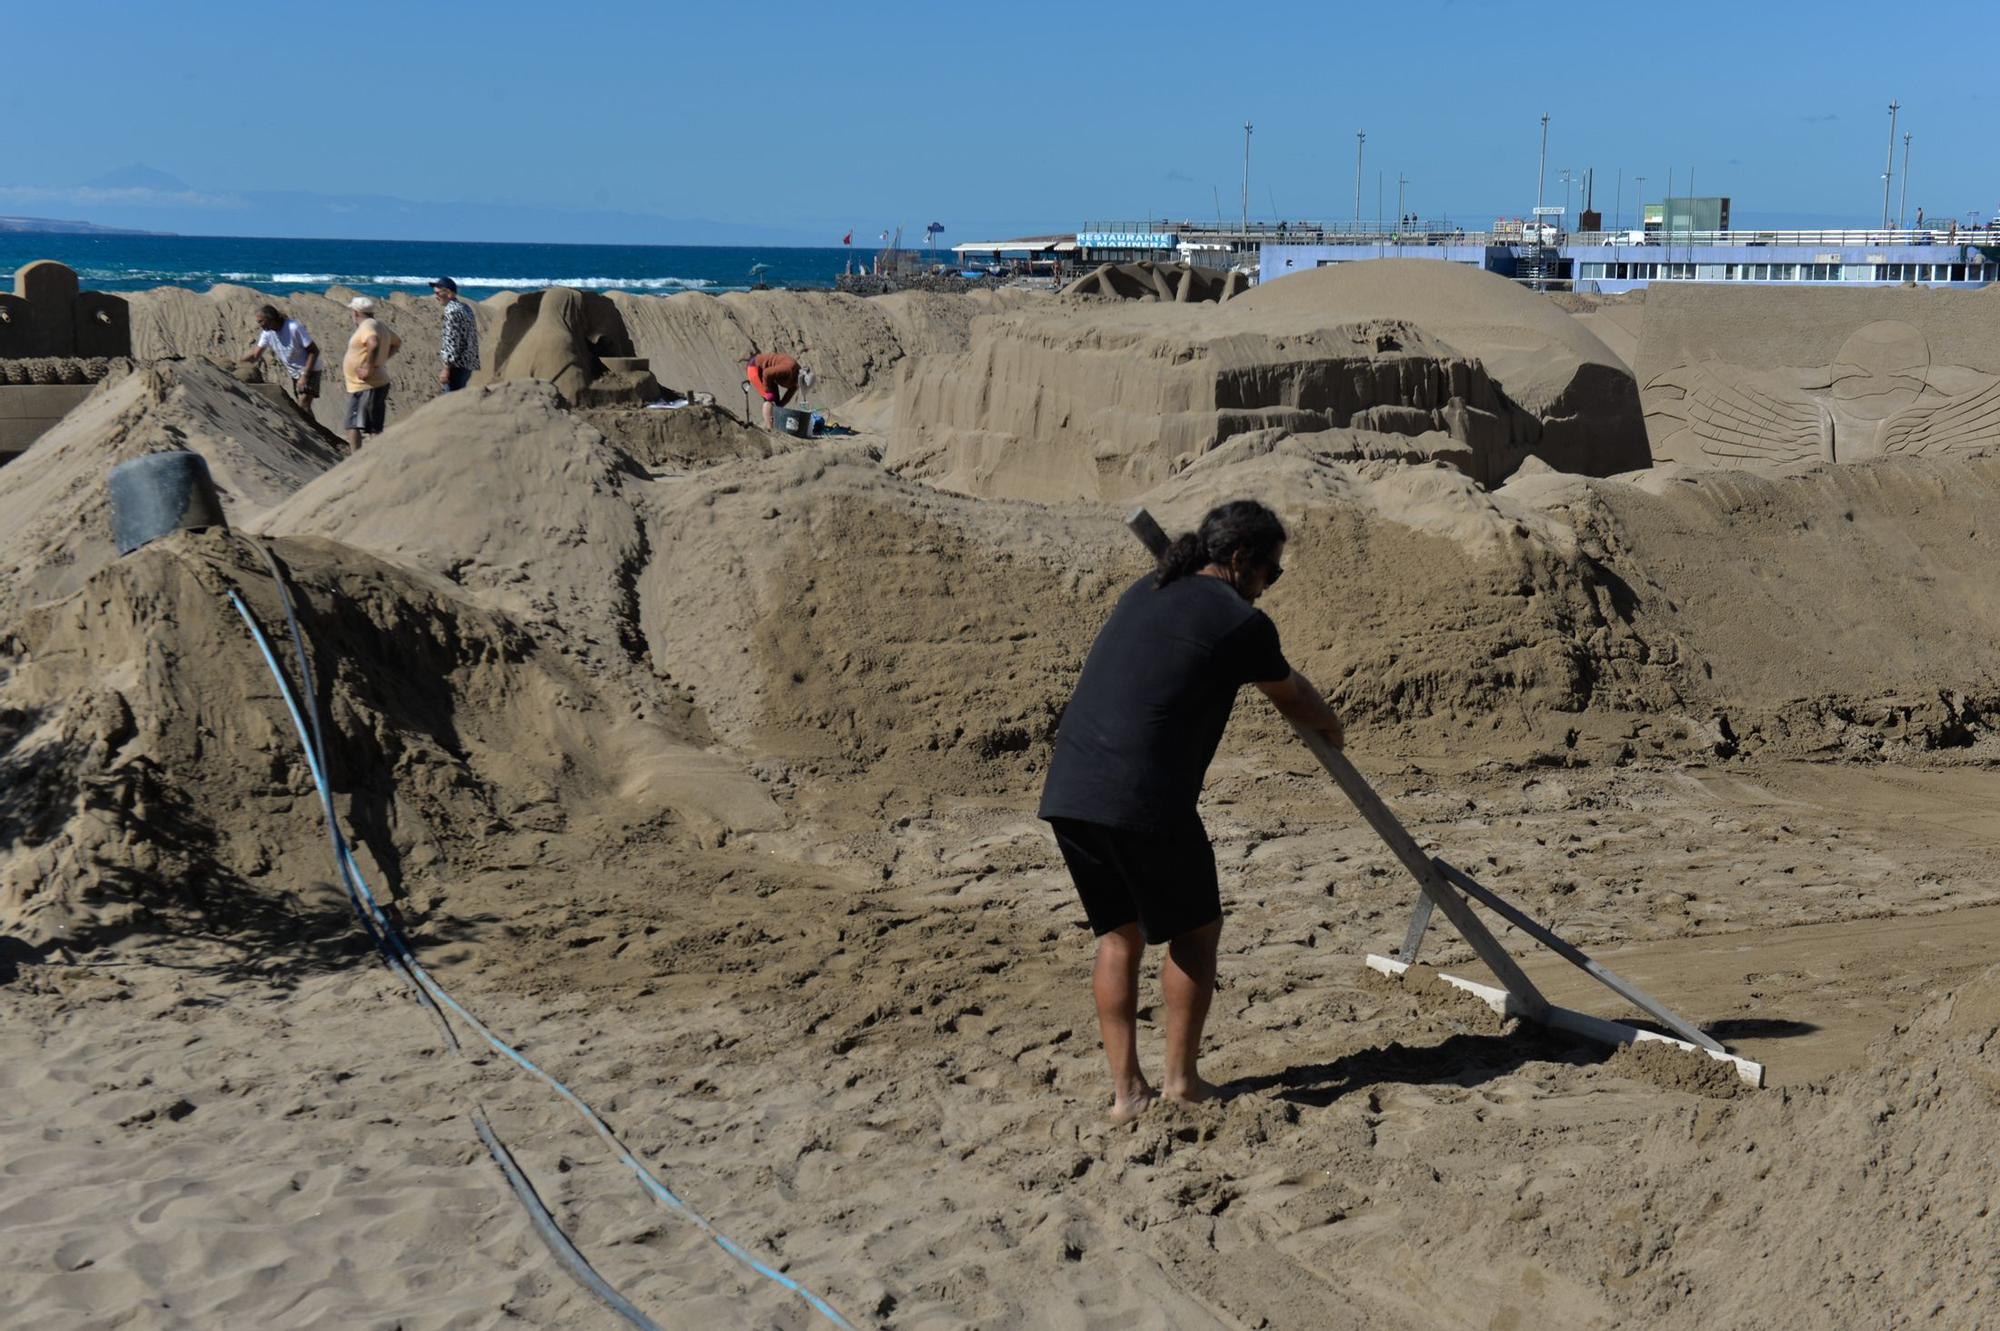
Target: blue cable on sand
pixel 399 952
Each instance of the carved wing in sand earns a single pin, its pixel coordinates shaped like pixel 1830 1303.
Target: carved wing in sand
pixel 1739 424
pixel 1969 423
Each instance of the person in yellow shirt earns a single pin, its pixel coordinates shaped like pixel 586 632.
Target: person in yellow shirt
pixel 366 368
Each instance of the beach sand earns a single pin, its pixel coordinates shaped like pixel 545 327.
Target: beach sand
pixel 710 784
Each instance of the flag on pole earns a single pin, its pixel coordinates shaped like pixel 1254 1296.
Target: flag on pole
pixel 847 239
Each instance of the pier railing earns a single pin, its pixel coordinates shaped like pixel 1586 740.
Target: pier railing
pixel 1432 231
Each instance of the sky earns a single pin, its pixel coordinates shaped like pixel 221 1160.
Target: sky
pixel 791 123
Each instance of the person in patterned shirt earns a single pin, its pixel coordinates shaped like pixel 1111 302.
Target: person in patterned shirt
pixel 460 350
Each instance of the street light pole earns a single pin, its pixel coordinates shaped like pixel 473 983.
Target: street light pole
pixel 1903 204
pixel 1360 138
pixel 1889 167
pixel 1542 168
pixel 1246 181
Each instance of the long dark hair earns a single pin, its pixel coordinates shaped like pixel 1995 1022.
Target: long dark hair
pixel 1241 524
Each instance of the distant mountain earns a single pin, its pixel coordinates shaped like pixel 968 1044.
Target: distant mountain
pixel 140 176
pixel 55 226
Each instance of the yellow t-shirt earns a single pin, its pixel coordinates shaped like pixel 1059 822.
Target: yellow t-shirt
pixel 368 352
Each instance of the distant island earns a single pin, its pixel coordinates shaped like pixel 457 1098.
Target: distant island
pixel 53 226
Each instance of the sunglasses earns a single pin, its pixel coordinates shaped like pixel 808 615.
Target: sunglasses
pixel 1272 572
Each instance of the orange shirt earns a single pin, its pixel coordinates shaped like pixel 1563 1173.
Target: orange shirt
pixel 368 350
pixel 779 372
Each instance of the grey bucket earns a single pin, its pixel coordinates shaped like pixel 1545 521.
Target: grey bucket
pixel 795 422
pixel 159 494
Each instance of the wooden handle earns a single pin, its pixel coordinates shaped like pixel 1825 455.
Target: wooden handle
pixel 1146 529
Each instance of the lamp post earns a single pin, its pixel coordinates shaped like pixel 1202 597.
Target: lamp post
pixel 1360 138
pixel 1541 166
pixel 1246 180
pixel 1903 203
pixel 1889 167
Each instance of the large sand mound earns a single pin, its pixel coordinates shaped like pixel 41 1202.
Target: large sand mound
pixel 153 780
pixel 699 342
pixel 1094 400
pixel 55 507
pixel 505 493
pixel 1778 381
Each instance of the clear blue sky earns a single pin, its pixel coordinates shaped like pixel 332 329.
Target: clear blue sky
pixel 810 118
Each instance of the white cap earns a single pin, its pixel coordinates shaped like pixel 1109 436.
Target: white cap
pixel 363 304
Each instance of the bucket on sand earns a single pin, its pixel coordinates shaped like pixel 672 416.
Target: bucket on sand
pixel 159 494
pixel 800 424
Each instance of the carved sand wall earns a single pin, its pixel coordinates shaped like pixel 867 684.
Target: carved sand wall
pixel 1779 381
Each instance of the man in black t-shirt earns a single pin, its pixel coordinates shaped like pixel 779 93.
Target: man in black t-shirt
pixel 1132 750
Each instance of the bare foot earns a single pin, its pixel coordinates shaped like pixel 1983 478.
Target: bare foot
pixel 1193 1092
pixel 1129 1105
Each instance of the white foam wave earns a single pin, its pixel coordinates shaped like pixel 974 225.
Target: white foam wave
pixel 537 283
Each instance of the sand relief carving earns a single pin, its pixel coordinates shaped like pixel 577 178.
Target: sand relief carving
pixel 1882 395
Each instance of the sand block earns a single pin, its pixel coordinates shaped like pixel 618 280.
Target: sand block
pixel 28 411
pixel 16 335
pixel 103 324
pixel 50 290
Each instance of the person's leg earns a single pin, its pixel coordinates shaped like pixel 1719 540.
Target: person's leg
pixel 1187 982
pixel 1114 980
pixel 1090 852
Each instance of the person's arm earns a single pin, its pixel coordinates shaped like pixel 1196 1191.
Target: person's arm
pixel 312 355
pixel 1300 703
pixel 256 352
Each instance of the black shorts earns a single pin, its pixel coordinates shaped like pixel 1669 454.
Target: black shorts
pixel 367 409
pixel 1164 880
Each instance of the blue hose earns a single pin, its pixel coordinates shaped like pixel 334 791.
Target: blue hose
pixel 403 960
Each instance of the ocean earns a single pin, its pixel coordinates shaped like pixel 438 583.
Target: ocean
pixel 377 267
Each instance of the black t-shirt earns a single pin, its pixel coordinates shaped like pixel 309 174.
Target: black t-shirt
pixel 1154 698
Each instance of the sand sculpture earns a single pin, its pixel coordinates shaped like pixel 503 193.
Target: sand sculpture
pixel 1417 360
pixel 54 340
pixel 47 315
pixel 1179 282
pixel 561 336
pixel 1780 381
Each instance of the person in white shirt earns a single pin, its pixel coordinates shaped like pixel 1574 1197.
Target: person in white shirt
pixel 288 340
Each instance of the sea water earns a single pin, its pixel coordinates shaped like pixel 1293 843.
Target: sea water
pixel 377 267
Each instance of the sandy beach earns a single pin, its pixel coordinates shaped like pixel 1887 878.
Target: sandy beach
pixel 701 764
